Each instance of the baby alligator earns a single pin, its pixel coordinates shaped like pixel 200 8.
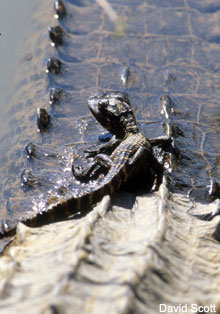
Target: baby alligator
pixel 127 156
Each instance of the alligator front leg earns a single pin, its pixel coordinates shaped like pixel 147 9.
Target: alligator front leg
pixel 106 148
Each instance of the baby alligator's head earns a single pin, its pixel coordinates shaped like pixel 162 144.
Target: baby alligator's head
pixel 113 111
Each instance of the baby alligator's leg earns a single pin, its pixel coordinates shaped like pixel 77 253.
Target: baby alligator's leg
pixel 106 148
pixel 97 166
pixel 158 168
pixel 162 140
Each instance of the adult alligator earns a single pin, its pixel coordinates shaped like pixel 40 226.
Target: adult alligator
pixel 125 260
pixel 93 57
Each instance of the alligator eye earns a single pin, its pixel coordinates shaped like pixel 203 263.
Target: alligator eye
pixel 102 106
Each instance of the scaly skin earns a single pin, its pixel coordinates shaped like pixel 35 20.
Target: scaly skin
pixel 124 158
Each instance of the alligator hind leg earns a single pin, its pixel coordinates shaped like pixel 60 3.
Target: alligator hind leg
pixel 158 168
pixel 100 164
pixel 162 140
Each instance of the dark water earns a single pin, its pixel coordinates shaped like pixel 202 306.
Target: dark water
pixel 171 47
